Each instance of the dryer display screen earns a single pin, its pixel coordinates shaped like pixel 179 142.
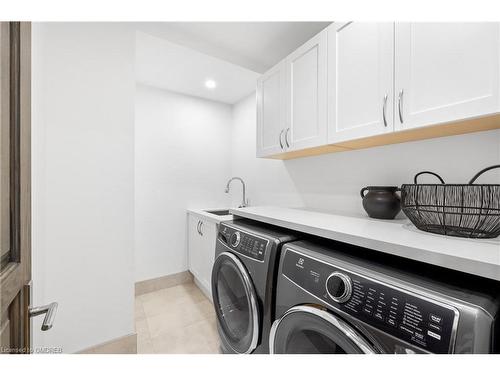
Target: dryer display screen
pixel 244 243
pixel 416 319
pixel 252 246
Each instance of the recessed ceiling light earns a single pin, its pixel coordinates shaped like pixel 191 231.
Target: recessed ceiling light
pixel 210 84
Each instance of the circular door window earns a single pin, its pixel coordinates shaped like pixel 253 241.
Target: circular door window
pixel 311 330
pixel 235 303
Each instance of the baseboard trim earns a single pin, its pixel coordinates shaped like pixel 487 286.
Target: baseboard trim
pixel 122 345
pixel 204 290
pixel 148 286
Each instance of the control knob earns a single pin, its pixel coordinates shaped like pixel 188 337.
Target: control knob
pixel 339 287
pixel 235 238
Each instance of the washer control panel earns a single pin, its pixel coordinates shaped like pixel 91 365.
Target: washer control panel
pixel 244 243
pixel 339 287
pixel 416 319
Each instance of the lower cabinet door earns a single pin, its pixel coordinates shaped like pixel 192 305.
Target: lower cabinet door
pixel 195 246
pixel 201 250
pixel 208 232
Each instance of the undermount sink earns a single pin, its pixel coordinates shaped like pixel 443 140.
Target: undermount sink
pixel 219 212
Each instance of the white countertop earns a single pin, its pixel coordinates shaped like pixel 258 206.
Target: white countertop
pixel 212 217
pixel 397 237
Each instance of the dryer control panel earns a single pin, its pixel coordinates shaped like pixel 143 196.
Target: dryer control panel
pixel 417 319
pixel 244 243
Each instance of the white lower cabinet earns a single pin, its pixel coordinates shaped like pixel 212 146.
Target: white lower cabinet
pixel 202 234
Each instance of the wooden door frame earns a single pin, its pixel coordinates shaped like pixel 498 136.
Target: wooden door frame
pixel 15 278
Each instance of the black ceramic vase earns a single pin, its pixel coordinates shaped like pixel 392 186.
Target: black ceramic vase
pixel 381 202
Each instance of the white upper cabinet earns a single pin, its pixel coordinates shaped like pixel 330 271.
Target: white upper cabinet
pixel 445 72
pixel 306 93
pixel 271 111
pixel 360 80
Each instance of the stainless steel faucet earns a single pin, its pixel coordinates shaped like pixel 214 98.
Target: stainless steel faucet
pixel 244 203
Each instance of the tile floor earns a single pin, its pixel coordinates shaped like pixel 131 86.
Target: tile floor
pixel 176 320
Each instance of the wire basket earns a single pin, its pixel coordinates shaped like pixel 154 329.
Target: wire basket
pixel 460 210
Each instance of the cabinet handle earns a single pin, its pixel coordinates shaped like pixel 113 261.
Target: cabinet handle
pixel 384 108
pixel 198 227
pixel 281 134
pixel 286 138
pixel 201 226
pixel 400 105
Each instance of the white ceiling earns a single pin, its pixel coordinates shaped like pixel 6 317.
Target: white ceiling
pixel 254 45
pixel 181 56
pixel 160 63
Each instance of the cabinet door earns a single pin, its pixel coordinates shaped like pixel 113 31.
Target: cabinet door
pixel 307 95
pixel 360 80
pixel 445 72
pixel 208 233
pixel 271 111
pixel 195 247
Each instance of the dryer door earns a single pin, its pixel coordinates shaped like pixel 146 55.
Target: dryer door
pixel 235 304
pixel 311 330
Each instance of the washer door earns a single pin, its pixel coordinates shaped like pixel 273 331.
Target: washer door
pixel 311 330
pixel 235 304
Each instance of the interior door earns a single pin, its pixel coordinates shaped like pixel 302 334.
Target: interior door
pixel 446 71
pixel 15 217
pixel 360 80
pixel 307 95
pixel 271 111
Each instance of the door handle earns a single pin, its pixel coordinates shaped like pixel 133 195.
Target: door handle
pixel 281 135
pixel 384 107
pixel 400 105
pixel 286 138
pixel 50 314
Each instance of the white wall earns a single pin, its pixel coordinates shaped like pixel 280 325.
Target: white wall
pixel 333 181
pixel 83 181
pixel 182 161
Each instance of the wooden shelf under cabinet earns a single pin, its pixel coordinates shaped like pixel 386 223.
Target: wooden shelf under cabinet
pixel 473 125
